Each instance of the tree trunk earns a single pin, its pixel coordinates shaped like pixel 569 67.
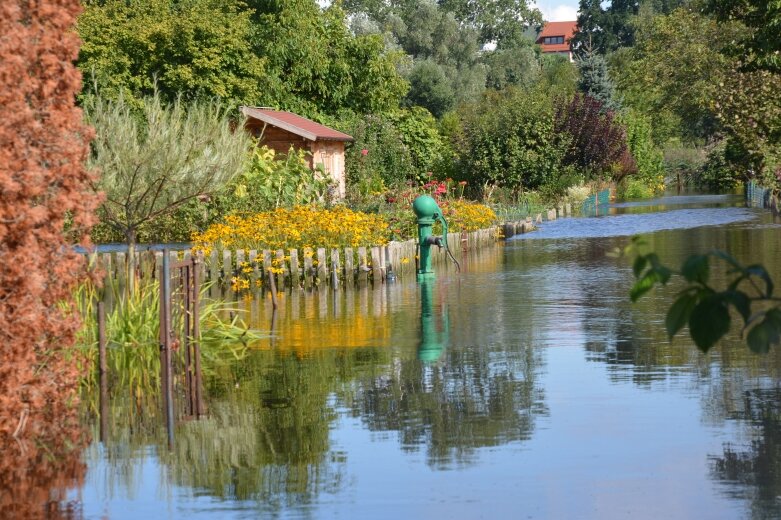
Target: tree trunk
pixel 130 234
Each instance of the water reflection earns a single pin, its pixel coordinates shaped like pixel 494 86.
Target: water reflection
pixel 434 326
pixel 268 439
pixel 529 379
pixel 265 445
pixel 37 473
pixel 752 470
pixel 453 407
pixel 634 224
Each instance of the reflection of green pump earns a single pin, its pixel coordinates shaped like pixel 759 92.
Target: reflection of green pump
pixel 432 341
pixel 427 210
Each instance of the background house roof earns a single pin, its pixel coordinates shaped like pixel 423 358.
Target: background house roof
pixel 295 124
pixel 566 29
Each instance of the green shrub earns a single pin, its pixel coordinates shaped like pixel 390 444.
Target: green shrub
pixel 683 163
pixel 634 188
pixel 508 140
pixel 377 158
pixel 648 158
pixel 718 173
pixel 393 149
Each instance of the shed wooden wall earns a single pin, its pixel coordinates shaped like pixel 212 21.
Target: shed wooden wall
pixel 331 155
pixel 275 138
pixel 328 153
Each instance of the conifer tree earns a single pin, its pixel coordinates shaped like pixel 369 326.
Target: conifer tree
pixel 595 80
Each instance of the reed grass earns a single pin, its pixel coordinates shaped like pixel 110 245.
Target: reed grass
pixel 133 331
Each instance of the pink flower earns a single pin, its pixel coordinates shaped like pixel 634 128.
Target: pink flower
pixel 364 152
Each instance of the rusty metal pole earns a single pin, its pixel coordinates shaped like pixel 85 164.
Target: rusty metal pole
pixel 273 287
pixel 165 281
pixel 188 369
pixel 196 337
pixel 162 337
pixel 273 326
pixel 102 371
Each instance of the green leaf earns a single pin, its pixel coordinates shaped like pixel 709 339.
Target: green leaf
pixel 736 282
pixel 764 334
pixel 696 269
pixel 728 258
pixel 639 265
pixel 679 313
pixel 709 321
pixel 642 286
pixel 740 301
pixel 663 274
pixel 760 272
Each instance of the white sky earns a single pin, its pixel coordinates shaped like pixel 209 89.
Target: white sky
pixel 558 10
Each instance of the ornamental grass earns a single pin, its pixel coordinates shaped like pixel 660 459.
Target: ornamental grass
pixel 299 227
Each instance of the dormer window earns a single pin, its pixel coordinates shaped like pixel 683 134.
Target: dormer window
pixel 552 40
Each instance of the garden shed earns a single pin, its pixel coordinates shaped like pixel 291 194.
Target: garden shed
pixel 280 130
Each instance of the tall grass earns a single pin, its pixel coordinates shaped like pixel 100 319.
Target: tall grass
pixel 133 331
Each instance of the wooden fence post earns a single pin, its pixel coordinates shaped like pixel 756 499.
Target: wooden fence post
pixel 321 266
pixel 349 272
pixel 363 269
pixel 308 253
pixel 266 267
pixel 377 270
pixel 227 269
pixel 335 268
pixel 283 269
pixel 295 269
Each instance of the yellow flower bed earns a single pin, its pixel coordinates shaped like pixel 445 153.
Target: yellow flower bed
pixel 462 215
pixel 296 228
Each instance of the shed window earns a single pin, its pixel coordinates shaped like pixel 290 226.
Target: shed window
pixel 551 40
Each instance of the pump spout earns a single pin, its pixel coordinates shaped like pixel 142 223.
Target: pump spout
pixel 433 240
pixel 441 218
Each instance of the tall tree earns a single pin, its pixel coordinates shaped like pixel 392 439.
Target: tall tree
pixel 760 45
pixel 318 65
pixel 152 164
pixel 492 20
pixel 495 20
pixel 430 87
pixel 669 72
pixel 43 182
pixel 604 30
pixel 190 47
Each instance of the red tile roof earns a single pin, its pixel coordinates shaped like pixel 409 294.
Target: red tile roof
pixel 295 124
pixel 566 29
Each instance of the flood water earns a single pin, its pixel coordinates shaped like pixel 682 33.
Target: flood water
pixel 527 386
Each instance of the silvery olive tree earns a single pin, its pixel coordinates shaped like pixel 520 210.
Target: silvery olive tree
pixel 155 157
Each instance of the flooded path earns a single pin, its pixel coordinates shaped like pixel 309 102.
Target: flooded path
pixel 528 386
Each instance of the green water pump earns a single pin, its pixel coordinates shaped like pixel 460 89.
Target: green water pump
pixel 427 210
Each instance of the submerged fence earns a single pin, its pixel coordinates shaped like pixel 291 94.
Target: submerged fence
pixel 759 197
pixel 300 268
pixel 596 203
